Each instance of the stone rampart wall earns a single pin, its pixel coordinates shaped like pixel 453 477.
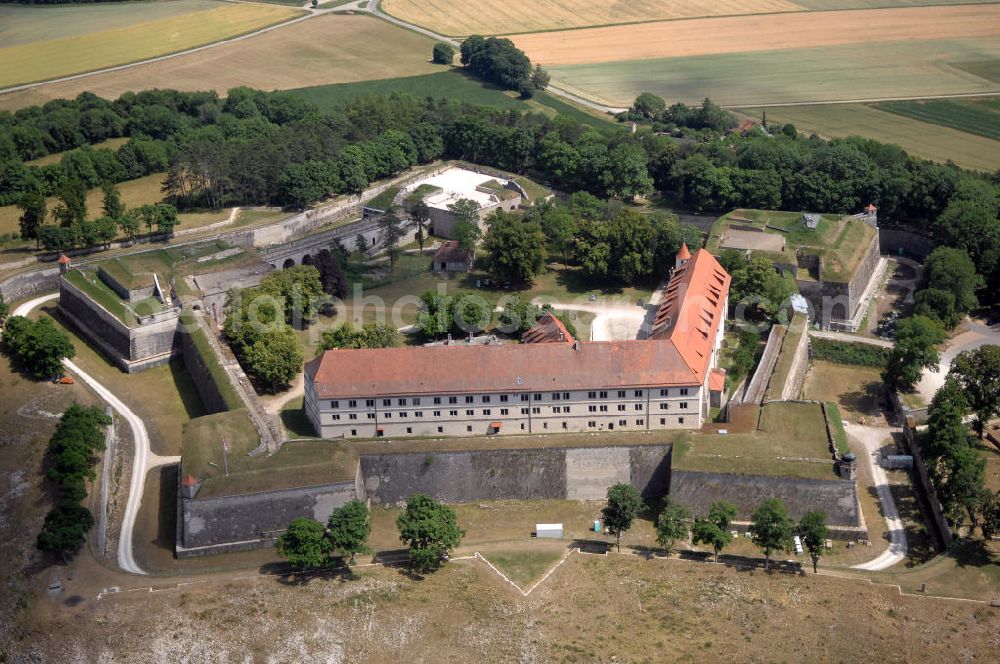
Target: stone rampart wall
pixel 838 498
pixel 249 521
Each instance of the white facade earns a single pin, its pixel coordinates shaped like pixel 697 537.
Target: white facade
pixel 600 409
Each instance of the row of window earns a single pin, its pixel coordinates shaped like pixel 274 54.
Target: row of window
pixel 506 411
pixel 486 398
pixel 545 425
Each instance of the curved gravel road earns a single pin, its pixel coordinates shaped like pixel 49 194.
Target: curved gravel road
pixel 144 458
pixel 872 438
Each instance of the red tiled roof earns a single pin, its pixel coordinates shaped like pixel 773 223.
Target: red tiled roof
pixel 547 330
pixel 449 252
pixel 63 259
pixel 189 480
pixel 692 310
pixel 677 353
pixel 717 380
pixel 684 253
pixel 870 208
pixel 511 368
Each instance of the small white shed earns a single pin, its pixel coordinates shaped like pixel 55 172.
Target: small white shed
pixel 553 530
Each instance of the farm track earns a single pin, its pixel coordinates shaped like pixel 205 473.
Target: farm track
pixel 374 9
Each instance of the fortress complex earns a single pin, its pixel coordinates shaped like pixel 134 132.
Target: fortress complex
pixel 551 383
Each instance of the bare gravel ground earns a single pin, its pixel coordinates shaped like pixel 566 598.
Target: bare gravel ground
pixel 593 608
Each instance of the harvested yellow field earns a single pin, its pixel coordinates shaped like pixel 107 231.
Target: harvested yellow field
pixel 744 34
pixel 64 56
pixel 319 51
pixel 465 17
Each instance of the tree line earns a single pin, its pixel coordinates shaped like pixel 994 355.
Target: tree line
pixel 428 528
pixel 955 466
pixel 72 452
pixel 276 148
pixel 771 529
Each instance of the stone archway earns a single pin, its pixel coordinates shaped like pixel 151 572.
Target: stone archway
pixel 307 259
pixel 289 262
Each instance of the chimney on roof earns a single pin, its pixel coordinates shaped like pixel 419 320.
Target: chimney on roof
pixel 683 256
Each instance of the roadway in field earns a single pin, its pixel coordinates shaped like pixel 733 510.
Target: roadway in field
pixel 144 459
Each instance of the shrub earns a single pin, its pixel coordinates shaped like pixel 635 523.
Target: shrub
pixel 846 352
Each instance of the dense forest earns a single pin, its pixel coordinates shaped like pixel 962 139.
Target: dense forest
pixel 275 148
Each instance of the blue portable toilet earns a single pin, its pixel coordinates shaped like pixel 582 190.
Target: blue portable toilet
pixel 597 526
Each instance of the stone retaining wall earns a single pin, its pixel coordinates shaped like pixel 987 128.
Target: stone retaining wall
pixel 838 498
pixel 208 526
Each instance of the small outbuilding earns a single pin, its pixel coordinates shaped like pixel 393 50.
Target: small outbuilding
pixel 451 258
pixel 550 530
pixel 811 220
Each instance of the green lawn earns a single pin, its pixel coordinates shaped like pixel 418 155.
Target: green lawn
pixel 837 424
pixel 979 116
pixel 791 442
pixel 449 84
pixel 97 290
pixel 524 567
pixel 297 464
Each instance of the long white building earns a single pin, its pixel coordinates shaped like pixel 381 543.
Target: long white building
pixel 550 384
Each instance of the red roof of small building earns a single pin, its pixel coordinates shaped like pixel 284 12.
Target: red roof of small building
pixel 63 259
pixel 189 480
pixel 684 253
pixel 547 330
pixel 717 380
pixel 870 207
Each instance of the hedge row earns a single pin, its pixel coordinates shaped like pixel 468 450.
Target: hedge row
pixel 847 352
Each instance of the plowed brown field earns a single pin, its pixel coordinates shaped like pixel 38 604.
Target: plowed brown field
pixel 742 34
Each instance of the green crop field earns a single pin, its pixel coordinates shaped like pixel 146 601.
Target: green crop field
pixel 835 73
pixel 920 139
pixel 980 117
pixel 453 84
pixel 988 69
pixel 86 50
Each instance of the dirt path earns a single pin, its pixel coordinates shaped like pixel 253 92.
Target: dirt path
pixel 145 459
pixel 850 338
pixel 872 439
pixel 973 334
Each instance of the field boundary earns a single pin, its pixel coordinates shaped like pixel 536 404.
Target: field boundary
pixel 166 56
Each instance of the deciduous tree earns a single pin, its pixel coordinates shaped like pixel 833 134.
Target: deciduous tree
pixel 812 531
pixel 623 506
pixel 515 250
pixel 713 530
pixel 671 525
pixel 348 529
pixel 429 529
pixel 305 544
pixel 772 529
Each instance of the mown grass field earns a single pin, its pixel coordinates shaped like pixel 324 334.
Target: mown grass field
pixel 450 84
pixel 919 138
pixel 134 193
pixel 836 73
pixel 464 17
pixel 980 116
pixel 320 51
pixel 62 56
